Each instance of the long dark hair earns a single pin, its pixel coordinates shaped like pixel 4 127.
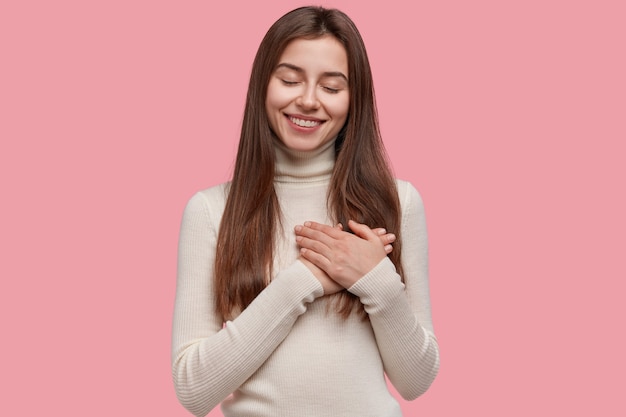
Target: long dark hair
pixel 362 187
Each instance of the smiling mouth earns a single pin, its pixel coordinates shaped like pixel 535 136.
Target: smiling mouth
pixel 304 123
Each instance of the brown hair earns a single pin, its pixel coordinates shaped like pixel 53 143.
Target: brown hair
pixel 362 187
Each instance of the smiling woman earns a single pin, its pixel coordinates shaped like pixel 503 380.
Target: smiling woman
pixel 303 282
pixel 307 97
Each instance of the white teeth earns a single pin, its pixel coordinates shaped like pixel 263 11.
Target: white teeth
pixel 304 123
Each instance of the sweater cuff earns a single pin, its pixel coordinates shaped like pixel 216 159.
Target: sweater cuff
pixel 379 287
pixel 302 281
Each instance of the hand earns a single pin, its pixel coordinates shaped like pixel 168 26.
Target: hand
pixel 345 257
pixel 386 238
pixel 330 286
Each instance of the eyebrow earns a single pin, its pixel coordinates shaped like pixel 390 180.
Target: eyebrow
pixel 300 70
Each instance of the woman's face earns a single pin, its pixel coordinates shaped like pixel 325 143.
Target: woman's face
pixel 307 99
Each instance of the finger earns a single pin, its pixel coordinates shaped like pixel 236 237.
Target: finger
pixel 379 231
pixel 331 231
pixel 388 238
pixel 312 239
pixel 315 258
pixel 312 245
pixel 320 232
pixel 362 230
pixel 388 249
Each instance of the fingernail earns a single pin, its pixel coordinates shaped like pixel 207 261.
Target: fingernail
pixel 382 232
pixel 307 224
pixel 298 228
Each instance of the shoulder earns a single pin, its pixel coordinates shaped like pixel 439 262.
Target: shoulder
pixel 410 198
pixel 215 195
pixel 210 201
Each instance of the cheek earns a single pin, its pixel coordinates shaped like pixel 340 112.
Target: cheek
pixel 277 98
pixel 339 108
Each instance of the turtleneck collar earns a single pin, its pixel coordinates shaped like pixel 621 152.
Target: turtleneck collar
pixel 304 166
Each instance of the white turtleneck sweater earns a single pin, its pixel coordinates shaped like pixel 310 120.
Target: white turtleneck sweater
pixel 286 354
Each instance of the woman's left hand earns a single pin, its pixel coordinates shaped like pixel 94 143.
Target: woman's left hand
pixel 344 256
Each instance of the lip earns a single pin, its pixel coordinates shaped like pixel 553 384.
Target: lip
pixel 302 117
pixel 303 129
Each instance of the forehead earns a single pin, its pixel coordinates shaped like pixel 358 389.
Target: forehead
pixel 316 55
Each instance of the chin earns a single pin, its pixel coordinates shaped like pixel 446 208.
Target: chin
pixel 301 146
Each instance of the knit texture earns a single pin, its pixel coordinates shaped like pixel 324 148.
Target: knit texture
pixel 287 354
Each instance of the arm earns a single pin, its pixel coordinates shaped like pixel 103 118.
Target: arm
pixel 210 360
pixel 400 313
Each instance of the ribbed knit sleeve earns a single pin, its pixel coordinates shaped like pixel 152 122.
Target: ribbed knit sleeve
pixel 400 313
pixel 211 359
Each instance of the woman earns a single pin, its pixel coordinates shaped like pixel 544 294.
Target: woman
pixel 277 312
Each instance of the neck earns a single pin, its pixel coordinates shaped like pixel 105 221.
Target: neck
pixel 304 166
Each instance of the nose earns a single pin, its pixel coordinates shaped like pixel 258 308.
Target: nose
pixel 308 99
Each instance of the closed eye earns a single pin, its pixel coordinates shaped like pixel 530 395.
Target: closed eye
pixel 287 82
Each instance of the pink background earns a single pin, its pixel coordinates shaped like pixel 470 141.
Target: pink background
pixel 509 117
